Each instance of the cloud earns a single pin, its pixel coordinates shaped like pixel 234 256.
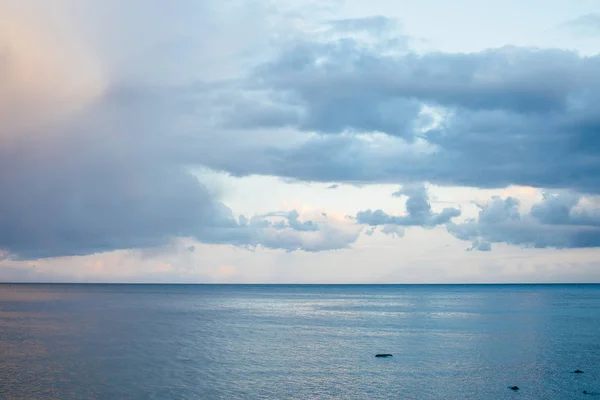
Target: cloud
pixel 588 24
pixel 290 220
pixel 91 201
pixel 289 233
pixel 111 171
pixel 418 213
pixel 101 161
pixel 392 230
pixel 344 73
pixel 520 116
pixel 377 24
pixel 560 209
pixel 480 245
pixel 552 223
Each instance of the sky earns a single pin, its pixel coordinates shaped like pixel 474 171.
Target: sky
pixel 331 141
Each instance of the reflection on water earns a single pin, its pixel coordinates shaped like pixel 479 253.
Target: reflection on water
pixel 298 342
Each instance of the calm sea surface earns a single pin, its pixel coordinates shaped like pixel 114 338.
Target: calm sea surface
pixel 299 342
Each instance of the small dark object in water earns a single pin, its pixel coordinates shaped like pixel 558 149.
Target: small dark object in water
pixel 384 355
pixel 591 393
pixel 513 388
pixel 578 371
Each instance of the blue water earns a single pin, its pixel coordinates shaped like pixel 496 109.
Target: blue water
pixel 299 342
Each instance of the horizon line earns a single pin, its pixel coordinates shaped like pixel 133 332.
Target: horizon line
pixel 297 284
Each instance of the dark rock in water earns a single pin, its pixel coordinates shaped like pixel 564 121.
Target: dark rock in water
pixel 513 387
pixel 384 355
pixel 578 371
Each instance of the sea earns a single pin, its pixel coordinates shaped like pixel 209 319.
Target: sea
pixel 96 341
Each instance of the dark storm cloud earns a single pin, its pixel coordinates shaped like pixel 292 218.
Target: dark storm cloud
pixel 77 202
pixel 73 205
pixel 512 116
pixel 319 75
pixel 552 223
pixel 418 211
